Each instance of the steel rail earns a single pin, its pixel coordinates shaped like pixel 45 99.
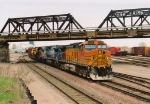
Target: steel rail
pixel 140 79
pixel 131 80
pixel 139 94
pixel 75 94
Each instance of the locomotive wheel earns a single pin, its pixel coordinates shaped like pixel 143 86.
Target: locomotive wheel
pixel 62 66
pixel 80 72
pixel 77 70
pixel 88 72
pixel 85 73
pixel 58 66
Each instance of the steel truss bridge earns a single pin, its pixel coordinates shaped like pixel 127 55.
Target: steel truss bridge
pixel 117 24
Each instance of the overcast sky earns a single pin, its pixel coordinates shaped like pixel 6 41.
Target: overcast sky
pixel 89 13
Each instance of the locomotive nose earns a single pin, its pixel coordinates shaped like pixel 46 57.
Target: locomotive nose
pixel 101 52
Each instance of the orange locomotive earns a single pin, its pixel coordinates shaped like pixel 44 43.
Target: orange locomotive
pixel 90 59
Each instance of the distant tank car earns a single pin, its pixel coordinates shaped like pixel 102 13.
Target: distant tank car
pixel 90 59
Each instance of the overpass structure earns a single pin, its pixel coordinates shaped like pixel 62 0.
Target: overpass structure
pixel 128 23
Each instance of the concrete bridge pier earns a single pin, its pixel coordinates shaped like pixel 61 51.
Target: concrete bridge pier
pixel 4 52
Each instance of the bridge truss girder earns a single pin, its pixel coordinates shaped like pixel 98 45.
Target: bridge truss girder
pixel 141 16
pixel 42 24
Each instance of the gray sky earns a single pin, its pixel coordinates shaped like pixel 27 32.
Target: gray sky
pixel 89 13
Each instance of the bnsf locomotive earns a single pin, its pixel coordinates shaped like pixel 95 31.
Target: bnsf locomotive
pixel 90 59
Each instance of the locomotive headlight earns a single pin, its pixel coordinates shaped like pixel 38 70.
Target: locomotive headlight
pixel 100 52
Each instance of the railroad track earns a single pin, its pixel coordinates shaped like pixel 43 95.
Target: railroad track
pixel 71 91
pixel 136 60
pixel 139 94
pixel 145 82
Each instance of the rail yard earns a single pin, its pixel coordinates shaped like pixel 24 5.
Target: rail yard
pixel 86 72
pixel 135 60
pixel 68 74
pixel 128 85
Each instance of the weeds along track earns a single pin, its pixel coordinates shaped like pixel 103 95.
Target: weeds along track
pixel 73 93
pixel 145 82
pixel 139 94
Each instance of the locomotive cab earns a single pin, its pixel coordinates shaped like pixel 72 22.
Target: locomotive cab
pixel 95 55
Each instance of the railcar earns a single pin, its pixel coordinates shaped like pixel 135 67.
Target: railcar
pixel 147 51
pixel 119 51
pixel 123 51
pixel 144 51
pixel 113 50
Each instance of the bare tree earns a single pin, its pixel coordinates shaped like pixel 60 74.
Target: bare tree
pixel 125 46
pixel 14 46
pixel 142 44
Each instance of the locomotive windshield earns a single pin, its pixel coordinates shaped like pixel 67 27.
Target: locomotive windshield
pixel 103 46
pixel 89 47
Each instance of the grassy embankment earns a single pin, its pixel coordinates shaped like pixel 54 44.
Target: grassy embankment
pixel 11 91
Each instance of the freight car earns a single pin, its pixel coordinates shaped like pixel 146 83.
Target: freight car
pixel 90 59
pixel 113 50
pixel 123 51
pixel 118 51
pixel 144 51
pixel 147 51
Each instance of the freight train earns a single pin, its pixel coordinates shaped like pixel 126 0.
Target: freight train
pixel 90 59
pixel 121 51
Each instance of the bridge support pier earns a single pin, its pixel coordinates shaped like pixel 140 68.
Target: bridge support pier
pixel 4 52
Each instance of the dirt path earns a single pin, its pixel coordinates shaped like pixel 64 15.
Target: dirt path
pixel 42 91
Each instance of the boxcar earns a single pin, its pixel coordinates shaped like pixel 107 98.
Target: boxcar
pixel 113 50
pixel 144 51
pixel 147 51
